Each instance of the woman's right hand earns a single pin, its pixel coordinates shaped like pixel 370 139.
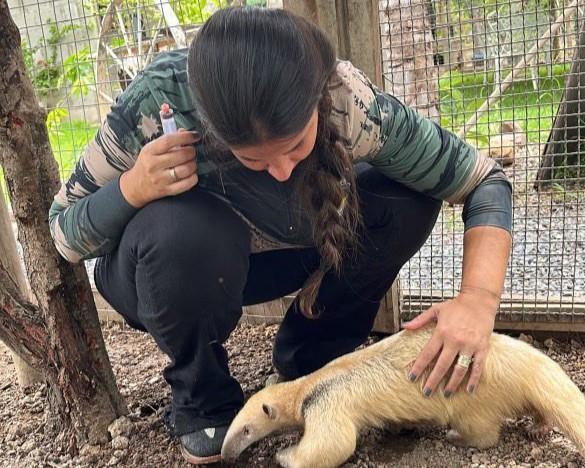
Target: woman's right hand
pixel 165 167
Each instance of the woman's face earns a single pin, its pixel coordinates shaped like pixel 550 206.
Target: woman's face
pixel 279 157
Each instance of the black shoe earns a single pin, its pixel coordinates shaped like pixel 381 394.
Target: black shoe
pixel 204 446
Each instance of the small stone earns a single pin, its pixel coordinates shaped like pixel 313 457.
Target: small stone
pixel 90 452
pixel 28 445
pixel 120 443
pixel 571 465
pixel 113 461
pixel 536 453
pixel 153 380
pixel 549 343
pixel 475 458
pixel 119 454
pixel 575 344
pixel 121 427
pixel 526 338
pixel 16 430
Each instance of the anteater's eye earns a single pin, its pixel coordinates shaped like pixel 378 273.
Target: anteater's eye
pixel 246 431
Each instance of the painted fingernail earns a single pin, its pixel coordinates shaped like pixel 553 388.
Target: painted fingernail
pixel 412 376
pixel 448 393
pixel 427 392
pixel 471 388
pixel 196 134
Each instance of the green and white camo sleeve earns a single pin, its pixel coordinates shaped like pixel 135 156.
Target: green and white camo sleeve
pixel 89 213
pixel 417 152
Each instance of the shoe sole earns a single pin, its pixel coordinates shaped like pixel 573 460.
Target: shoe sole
pixel 199 460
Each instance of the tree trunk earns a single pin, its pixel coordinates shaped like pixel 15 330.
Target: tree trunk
pixel 563 146
pixel 409 71
pixel 9 258
pixel 61 336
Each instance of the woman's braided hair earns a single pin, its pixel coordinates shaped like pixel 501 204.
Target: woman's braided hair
pixel 260 73
pixel 328 183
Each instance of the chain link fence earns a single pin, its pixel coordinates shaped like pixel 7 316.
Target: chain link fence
pixel 504 75
pixel 507 77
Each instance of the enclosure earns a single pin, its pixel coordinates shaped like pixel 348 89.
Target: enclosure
pixel 506 75
pixel 494 72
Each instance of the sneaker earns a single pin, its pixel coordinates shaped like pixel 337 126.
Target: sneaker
pixel 203 446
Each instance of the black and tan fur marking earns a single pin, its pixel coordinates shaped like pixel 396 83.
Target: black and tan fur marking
pixel 370 387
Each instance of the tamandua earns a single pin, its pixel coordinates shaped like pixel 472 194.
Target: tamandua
pixel 370 387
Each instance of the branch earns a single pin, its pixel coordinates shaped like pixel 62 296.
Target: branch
pixel 22 327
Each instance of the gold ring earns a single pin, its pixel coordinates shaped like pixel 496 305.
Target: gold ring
pixel 173 174
pixel 464 360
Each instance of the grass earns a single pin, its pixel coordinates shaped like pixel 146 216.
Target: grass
pixel 462 93
pixel 68 140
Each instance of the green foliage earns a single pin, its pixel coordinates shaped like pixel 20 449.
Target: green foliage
pixel 191 11
pixel 47 75
pixel 68 139
pixel 197 11
pixel 78 72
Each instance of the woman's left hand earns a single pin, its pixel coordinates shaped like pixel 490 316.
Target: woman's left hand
pixel 464 327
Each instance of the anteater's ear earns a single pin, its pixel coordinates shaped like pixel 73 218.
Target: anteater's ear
pixel 269 411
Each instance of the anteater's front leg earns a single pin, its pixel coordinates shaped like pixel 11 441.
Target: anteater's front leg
pixel 326 442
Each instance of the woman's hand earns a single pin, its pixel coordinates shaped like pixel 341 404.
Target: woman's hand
pixel 464 327
pixel 165 166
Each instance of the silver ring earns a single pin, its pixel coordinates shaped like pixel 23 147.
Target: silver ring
pixel 173 174
pixel 464 360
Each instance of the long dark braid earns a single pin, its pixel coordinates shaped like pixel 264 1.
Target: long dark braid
pixel 257 74
pixel 328 182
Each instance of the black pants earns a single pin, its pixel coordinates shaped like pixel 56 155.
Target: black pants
pixel 183 270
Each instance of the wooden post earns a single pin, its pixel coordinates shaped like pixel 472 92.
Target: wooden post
pixel 353 26
pixel 10 260
pixel 409 70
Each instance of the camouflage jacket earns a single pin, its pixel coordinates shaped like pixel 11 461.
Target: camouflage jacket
pixel 89 213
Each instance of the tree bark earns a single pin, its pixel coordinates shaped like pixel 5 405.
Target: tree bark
pixel 9 258
pixel 61 336
pixel 563 148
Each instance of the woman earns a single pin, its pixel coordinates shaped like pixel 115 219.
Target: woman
pixel 295 172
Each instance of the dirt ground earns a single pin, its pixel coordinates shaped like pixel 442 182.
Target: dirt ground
pixel 144 442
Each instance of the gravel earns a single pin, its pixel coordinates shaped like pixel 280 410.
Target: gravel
pixel 548 254
pixel 140 440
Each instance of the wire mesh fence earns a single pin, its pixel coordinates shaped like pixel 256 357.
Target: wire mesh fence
pixel 504 75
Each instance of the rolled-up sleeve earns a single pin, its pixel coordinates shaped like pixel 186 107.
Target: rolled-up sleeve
pixel 417 152
pixel 89 213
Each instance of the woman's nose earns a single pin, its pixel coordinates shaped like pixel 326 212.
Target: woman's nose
pixel 282 170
